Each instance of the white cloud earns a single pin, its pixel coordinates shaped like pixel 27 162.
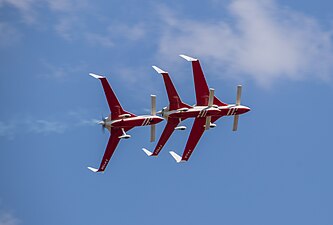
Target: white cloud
pixel 25 7
pixel 8 35
pixel 117 33
pixel 99 40
pixel 133 33
pixel 264 42
pixel 7 129
pixel 61 72
pixel 67 13
pixel 45 127
pixel 70 120
pixel 64 27
pixel 61 5
pixel 7 218
pixel 10 129
pixel 70 21
pixel 82 117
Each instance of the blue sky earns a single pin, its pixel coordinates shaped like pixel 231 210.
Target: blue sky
pixel 275 170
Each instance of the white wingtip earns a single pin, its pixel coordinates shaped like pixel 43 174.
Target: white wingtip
pixel 93 169
pixel 188 58
pixel 176 156
pixel 147 152
pixel 159 70
pixel 96 76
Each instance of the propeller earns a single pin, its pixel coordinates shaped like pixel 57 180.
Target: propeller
pixel 239 94
pixel 210 104
pixel 103 123
pixel 153 105
pixel 238 101
pixel 211 97
pixel 153 113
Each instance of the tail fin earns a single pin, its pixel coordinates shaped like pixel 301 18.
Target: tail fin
pixel 116 110
pixel 174 100
pixel 201 87
pixel 218 102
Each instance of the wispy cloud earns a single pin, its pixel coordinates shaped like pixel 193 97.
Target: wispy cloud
pixel 70 18
pixel 103 40
pixel 117 33
pixel 64 27
pixel 67 14
pixel 82 117
pixel 263 41
pixel 63 71
pixel 8 35
pixel 133 33
pixel 7 218
pixel 25 7
pixel 45 127
pixel 69 120
pixel 38 126
pixel 7 129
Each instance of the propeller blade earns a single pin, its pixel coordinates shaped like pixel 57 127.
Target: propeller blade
pixel 211 97
pixel 239 94
pixel 153 105
pixel 208 119
pixel 102 122
pixel 236 117
pixel 152 132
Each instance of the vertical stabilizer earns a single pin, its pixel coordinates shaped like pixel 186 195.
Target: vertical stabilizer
pixel 175 101
pixel 114 105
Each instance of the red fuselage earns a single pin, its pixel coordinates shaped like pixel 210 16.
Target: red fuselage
pixel 134 121
pixel 205 111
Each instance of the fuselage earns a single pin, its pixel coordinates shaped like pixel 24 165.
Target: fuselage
pixel 205 111
pixel 134 121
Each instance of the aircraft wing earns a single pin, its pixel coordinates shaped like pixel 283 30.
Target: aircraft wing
pixel 174 100
pixel 215 118
pixel 195 135
pixel 168 130
pixel 200 84
pixel 113 102
pixel 110 148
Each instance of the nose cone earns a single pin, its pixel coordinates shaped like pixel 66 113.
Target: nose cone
pixel 243 109
pixel 157 119
pixel 246 109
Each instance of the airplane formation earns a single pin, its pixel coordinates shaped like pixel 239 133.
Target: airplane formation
pixel 206 111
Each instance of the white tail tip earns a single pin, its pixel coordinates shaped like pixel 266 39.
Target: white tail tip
pixel 147 152
pixel 188 58
pixel 176 156
pixel 159 70
pixel 96 76
pixel 93 169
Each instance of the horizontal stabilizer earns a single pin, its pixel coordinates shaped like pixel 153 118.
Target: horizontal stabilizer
pixel 176 156
pixel 159 70
pixel 188 58
pixel 96 76
pixel 147 152
pixel 93 169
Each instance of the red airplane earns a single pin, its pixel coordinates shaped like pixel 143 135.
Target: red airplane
pixel 207 110
pixel 121 121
